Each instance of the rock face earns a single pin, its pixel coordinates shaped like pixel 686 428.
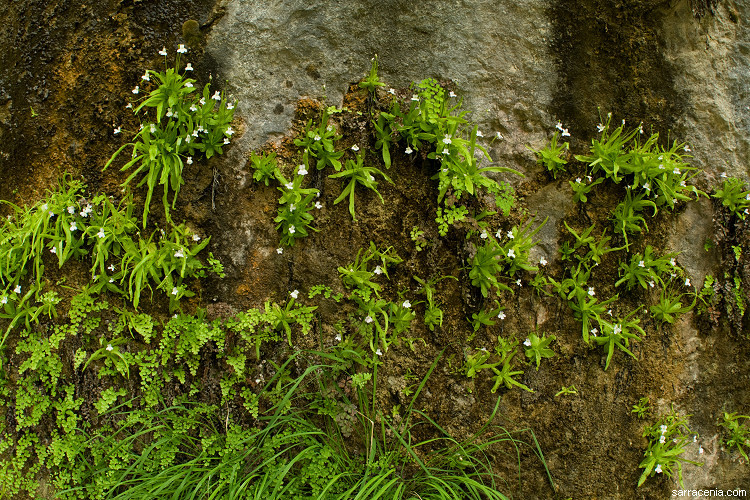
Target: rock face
pixel 273 53
pixel 682 67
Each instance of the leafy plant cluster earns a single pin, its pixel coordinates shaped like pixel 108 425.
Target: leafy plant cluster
pixel 181 127
pixel 668 439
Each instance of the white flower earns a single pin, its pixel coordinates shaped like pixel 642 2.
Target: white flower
pixel 189 160
pixel 196 238
pixel 189 67
pixel 499 136
pixel 136 89
pixel 640 128
pixel 301 170
pixel 175 291
pixel 594 331
pixel 687 282
pixel 179 254
pixel 527 342
pixel 651 283
pixel 447 139
pixel 377 270
pixel 591 291
pixel 294 294
pixel 279 250
pixel 483 235
pixel 216 96
pixel 193 108
pixel 289 185
pixel 101 234
pixel 451 94
pixel 600 128
pixel 609 312
pixel 565 133
pixel 230 106
pixel 658 469
pixel 695 438
pixel 17 289
pixel 109 347
pixel 111 267
pixel 589 178
pixel 152 128
pixel 686 148
pixel 188 139
pixel 446 152
pixel 617 329
pixel 3 300
pixel 510 235
pixel 128 106
pixel 408 150
pixel 163 52
pixel 226 140
pixel 559 126
pixel 146 76
pixel 641 264
pixel 542 261
pixel 662 439
pixel 499 234
pixel 195 133
pixel 392 91
pixel 479 133
pixel 512 253
pixel 379 352
pixel 355 148
pixel 316 138
pixel 501 315
pixel 578 180
pixel 202 101
pixel 117 130
pixel 368 319
pixel 229 131
pixel 53 250
pixel 71 210
pixel 318 205
pixel 182 49
pixel 518 282
pixel 407 304
pixel 700 450
pixel 44 207
pixel 672 262
pixel 73 227
pixel 291 229
pixel 338 337
pixel 111 280
pixel 414 97
pixel 647 186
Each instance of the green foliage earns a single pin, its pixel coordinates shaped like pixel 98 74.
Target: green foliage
pixel 504 376
pixel 619 335
pixel 266 167
pixel 417 236
pixel 582 189
pixel 552 156
pixel 448 216
pixel 433 315
pixel 737 433
pixel 295 206
pixel 669 307
pixel 371 83
pixel 538 347
pixel 357 173
pixel 733 196
pixel 194 125
pixel 642 408
pixel 627 218
pixel 319 142
pixel 667 440
pixel 564 391
pixel 646 270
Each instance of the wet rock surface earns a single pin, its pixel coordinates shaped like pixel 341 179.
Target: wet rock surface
pixel 520 67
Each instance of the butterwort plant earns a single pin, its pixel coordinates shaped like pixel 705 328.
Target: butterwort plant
pixel 180 127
